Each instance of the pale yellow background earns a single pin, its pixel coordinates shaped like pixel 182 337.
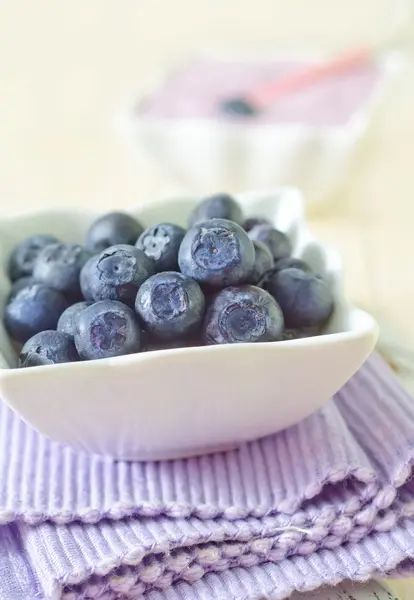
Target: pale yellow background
pixel 67 68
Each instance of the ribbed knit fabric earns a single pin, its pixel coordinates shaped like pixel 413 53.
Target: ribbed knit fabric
pixel 312 505
pixel 365 435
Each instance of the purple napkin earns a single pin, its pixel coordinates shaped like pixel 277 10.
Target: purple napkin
pixel 312 505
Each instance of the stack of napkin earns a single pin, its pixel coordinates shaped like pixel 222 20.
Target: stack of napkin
pixel 326 500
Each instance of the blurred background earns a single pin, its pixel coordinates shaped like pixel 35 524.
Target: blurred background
pixel 71 72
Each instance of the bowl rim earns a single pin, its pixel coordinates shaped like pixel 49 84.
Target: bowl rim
pixel 370 329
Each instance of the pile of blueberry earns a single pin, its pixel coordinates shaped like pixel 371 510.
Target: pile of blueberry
pixel 224 280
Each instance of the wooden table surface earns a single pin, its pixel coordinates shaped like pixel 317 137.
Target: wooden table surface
pixel 67 68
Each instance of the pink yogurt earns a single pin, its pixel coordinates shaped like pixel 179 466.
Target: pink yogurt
pixel 197 89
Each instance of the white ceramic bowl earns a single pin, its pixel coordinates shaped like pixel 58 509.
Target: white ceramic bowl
pixel 175 403
pixel 209 154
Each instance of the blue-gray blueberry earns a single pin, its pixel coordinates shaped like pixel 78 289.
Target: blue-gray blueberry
pixel 161 243
pixel 24 255
pixel 35 308
pixel 219 206
pixel 238 107
pixel 85 277
pixel 291 263
pixel 117 274
pixel 217 253
pixel 170 305
pixel 251 222
pixel 20 284
pixel 48 348
pixel 242 314
pixel 106 329
pixel 59 265
pixel 277 241
pixel 283 263
pixel 305 299
pixel 263 262
pixel 112 229
pixel 69 318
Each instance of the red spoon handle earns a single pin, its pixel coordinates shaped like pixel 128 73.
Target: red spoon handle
pixel 269 92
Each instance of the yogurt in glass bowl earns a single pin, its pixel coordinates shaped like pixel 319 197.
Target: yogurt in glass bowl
pixel 306 138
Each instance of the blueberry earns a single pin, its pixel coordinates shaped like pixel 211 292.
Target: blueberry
pixel 86 277
pixel 69 318
pixel 170 305
pixel 48 348
pixel 237 107
pixel 35 308
pixel 20 284
pixel 161 243
pixel 118 274
pixel 251 222
pixel 263 262
pixel 59 266
pixel 217 253
pixel 278 242
pixel 107 328
pixel 305 299
pixel 291 263
pixel 112 229
pixel 242 314
pixel 283 263
pixel 219 206
pixel 23 257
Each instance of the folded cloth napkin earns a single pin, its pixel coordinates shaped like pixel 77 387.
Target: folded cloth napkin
pixel 326 500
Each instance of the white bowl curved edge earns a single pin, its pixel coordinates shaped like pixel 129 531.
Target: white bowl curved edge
pixel 176 403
